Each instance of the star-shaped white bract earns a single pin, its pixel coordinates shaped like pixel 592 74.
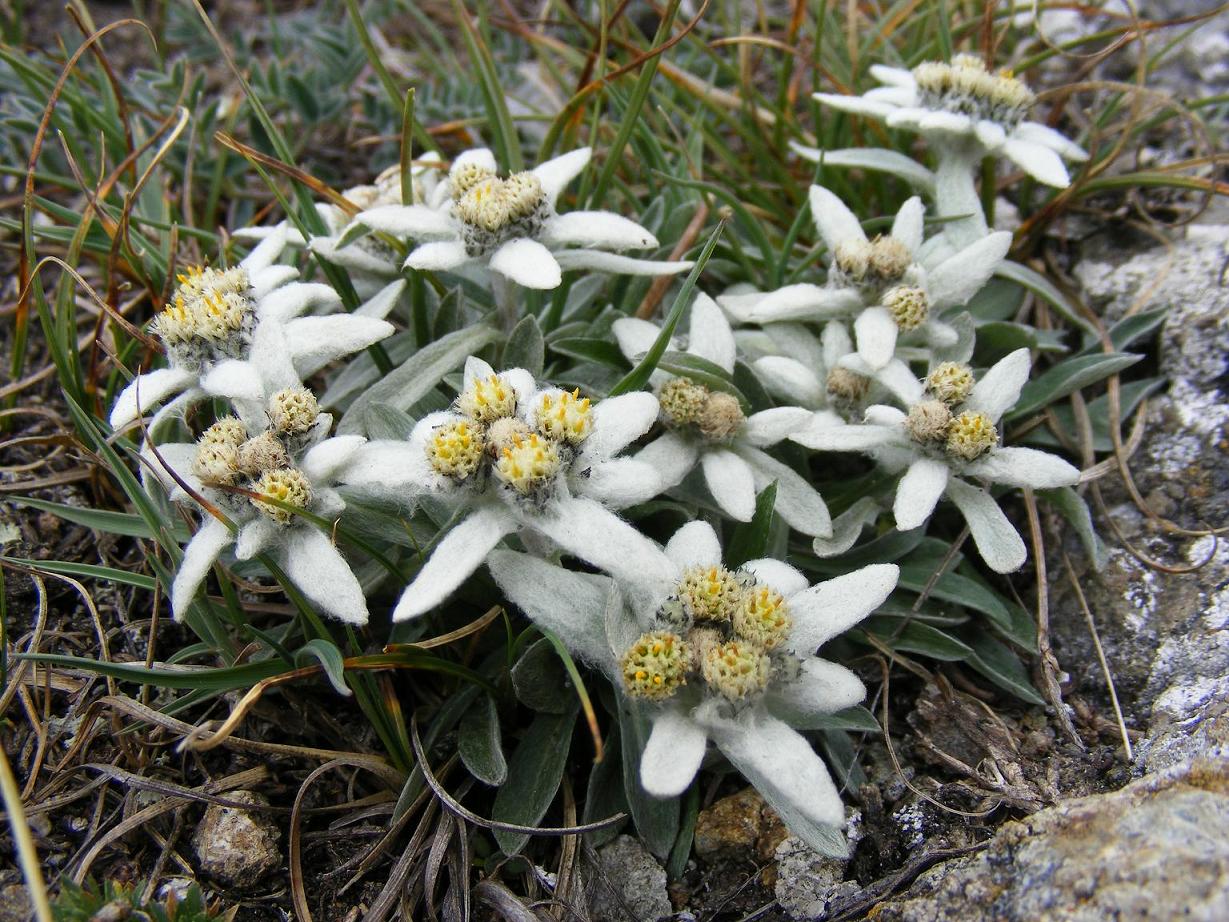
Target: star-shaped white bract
pixel 232 467
pixel 708 427
pixel 888 286
pixel 516 458
pixel 962 104
pixel 721 656
pixel 948 437
pixel 239 334
pixel 511 225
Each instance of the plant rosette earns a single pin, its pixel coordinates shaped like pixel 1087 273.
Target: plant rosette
pixel 950 436
pixel 895 290
pixel 717 655
pixel 707 427
pixel 239 334
pixel 511 457
pixel 511 226
pixel 258 483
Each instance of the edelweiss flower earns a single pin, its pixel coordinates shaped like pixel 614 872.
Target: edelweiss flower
pixel 950 433
pixel 720 655
pixel 519 459
pixel 880 283
pixel 963 102
pixel 510 225
pixel 709 427
pixel 237 333
pixel 245 473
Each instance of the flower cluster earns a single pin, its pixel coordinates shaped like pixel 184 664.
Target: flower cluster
pixel 560 490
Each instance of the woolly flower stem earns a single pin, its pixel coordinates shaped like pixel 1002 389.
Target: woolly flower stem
pixel 956 195
pixel 503 290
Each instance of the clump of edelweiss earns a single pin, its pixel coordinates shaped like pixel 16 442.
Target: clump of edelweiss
pixel 949 436
pixel 708 427
pixel 260 480
pixel 967 112
pixel 895 293
pixel 238 333
pixel 513 457
pixel 717 654
pixel 510 224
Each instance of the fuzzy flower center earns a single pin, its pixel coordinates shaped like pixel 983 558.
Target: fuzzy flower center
pixel 966 87
pixel 210 315
pixel 685 403
pixel 455 449
pixel 908 306
pixel 565 417
pixel 763 617
pixel 871 263
pixel 293 410
pixel 951 382
pixel 847 386
pixel 216 462
pixel 529 464
pixel 736 669
pixel 285 485
pixel 710 593
pixel 262 453
pixel 487 399
pixel 656 665
pixel 928 421
pixel 971 435
pixel 493 210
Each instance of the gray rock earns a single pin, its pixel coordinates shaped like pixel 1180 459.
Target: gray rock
pixel 808 882
pixel 629 885
pixel 15 903
pixel 236 847
pixel 1158 848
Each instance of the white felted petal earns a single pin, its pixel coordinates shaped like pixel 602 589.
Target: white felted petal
pixel 997 540
pixel 383 301
pixel 939 335
pixel 416 222
pixel 837 343
pixel 256 537
pixel 1036 133
pixel 893 95
pixel 356 258
pixel 804 302
pixel 672 755
pixel 999 388
pixel 271 280
pixel 598 230
pixel 1024 467
pixel 907 228
pixel 876 331
pixel 454 559
pixel 556 173
pixel 847 528
pixel 944 123
pixel 789 379
pixel 797 503
pixel 476 156
pixel 833 219
pixel 437 256
pixel 397 471
pixel 881 415
pixel 709 335
pixel 897 377
pixel 319 571
pixel 990 134
pixel 313 342
pixel 918 492
pixel 292 300
pixel 1039 161
pixel 198 557
pixel 737 305
pixel 782 767
pixel 795 341
pixel 822 688
pixel 835 605
pixel 327 503
pixel 672 456
pixel 592 533
pixel 821 435
pixel 893 76
pixel 178 457
pixel 527 263
pixel 779 575
pixel 324 460
pixel 959 277
pixel 768 427
pixel 148 390
pixel 694 545
pixel 266 252
pixel 617 422
pixel 564 602
pixel 476 369
pixel 601 261
pixel 618 483
pixel 730 482
pixel 635 336
pixel 855 104
pixel 235 379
